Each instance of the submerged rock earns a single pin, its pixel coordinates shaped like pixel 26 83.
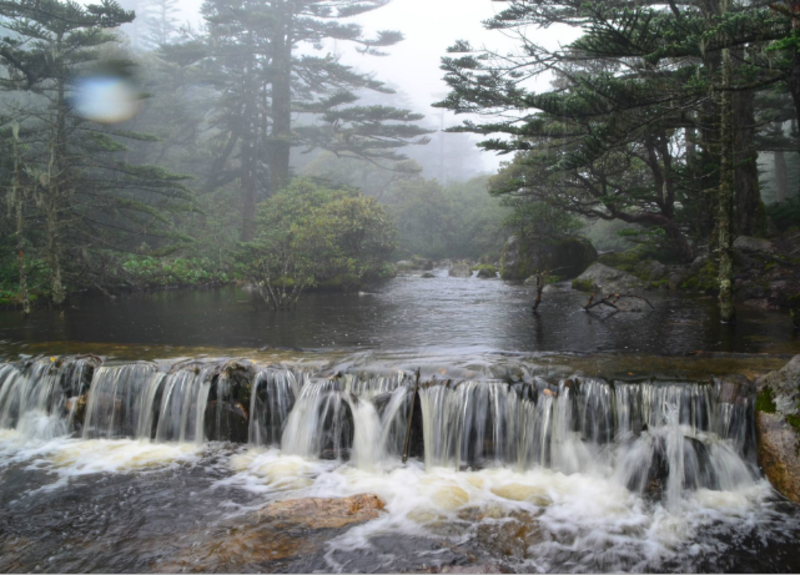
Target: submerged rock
pixel 324 513
pixel 512 537
pixel 607 280
pixel 778 426
pixel 487 272
pixel 460 270
pixel 284 530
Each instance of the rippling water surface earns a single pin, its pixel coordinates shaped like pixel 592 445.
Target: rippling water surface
pixel 409 313
pixel 559 492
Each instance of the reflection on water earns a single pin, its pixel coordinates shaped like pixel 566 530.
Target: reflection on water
pixel 408 313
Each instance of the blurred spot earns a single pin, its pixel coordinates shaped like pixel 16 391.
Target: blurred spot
pixel 106 99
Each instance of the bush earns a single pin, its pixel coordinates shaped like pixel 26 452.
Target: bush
pixel 309 235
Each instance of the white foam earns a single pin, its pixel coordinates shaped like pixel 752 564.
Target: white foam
pixel 587 520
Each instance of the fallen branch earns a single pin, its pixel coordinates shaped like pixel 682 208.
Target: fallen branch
pixel 611 301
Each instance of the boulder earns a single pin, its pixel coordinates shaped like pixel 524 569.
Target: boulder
pixel 652 270
pixel 606 280
pixel 460 270
pixel 421 263
pixel 428 275
pixel 698 263
pixel 405 266
pixel 778 427
pixel 566 257
pixel 515 263
pixel 750 245
pixel 676 278
pixel 487 272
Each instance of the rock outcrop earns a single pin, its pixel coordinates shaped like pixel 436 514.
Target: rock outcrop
pixel 603 279
pixel 778 428
pixel 460 270
pixel 565 257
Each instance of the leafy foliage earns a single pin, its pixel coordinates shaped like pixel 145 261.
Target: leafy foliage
pixel 315 236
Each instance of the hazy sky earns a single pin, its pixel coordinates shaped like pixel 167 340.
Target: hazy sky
pixel 429 27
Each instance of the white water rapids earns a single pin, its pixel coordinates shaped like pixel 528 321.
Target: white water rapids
pixel 600 475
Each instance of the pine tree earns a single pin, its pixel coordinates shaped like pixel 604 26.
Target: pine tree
pixel 86 198
pixel 255 53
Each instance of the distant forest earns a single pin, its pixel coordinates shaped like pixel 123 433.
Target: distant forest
pixel 245 150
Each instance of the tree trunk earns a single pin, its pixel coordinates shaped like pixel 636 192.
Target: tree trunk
pixel 781 177
pixel 19 199
pixel 794 77
pixel 726 196
pixel 281 140
pixel 749 213
pixel 249 159
pixel 57 184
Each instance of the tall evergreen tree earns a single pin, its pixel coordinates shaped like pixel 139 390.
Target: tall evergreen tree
pixel 256 54
pixel 86 198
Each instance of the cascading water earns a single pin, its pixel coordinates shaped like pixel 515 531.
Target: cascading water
pixel 34 396
pixel 653 437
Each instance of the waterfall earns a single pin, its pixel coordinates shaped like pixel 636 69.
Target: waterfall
pixel 319 425
pixel 272 399
pixel 657 438
pixel 121 401
pixel 34 397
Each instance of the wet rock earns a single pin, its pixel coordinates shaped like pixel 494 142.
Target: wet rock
pixel 450 498
pixel 423 263
pixel 521 492
pixel 652 270
pixel 487 272
pixel 566 257
pixel 607 280
pixel 514 263
pixel 778 427
pixel 324 513
pixel 226 422
pixel 428 275
pixel 557 287
pixel 698 263
pixel 76 408
pixel 676 278
pixel 748 245
pixel 405 266
pixel 512 537
pixel 285 530
pixel 778 453
pixel 734 389
pixel 460 270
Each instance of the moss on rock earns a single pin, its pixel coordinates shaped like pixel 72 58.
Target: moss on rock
pixel 582 285
pixel 765 401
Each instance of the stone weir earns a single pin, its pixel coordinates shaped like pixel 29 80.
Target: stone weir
pixel 656 436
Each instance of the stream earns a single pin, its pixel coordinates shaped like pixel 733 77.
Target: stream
pixel 198 431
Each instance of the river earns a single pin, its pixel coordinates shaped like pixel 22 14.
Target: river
pixel 170 431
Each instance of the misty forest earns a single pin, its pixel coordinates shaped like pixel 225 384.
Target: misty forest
pixel 457 286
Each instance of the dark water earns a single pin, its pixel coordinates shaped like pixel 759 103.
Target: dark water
pixel 408 313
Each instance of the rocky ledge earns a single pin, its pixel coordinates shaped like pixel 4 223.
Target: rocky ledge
pixel 778 428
